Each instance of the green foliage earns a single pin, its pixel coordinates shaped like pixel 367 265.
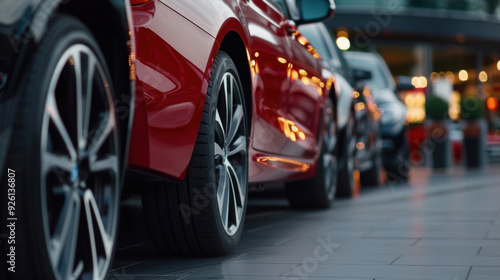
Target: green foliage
pixel 471 108
pixel 436 108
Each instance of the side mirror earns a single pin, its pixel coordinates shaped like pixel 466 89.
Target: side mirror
pixel 361 75
pixel 307 11
pixel 404 83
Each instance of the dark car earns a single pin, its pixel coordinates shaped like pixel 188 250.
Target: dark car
pixel 395 151
pixel 359 135
pixel 64 73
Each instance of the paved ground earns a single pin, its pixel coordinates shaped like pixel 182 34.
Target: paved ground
pixel 440 226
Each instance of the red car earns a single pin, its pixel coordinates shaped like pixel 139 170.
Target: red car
pixel 229 93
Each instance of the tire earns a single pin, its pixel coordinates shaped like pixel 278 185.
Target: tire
pixel 319 191
pixel 204 214
pixel 66 157
pixel 399 171
pixel 371 177
pixel 345 186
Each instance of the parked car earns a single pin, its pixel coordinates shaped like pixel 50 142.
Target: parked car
pixel 64 70
pixel 228 93
pixel 357 114
pixel 395 151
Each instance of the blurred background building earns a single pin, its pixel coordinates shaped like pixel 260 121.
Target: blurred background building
pixel 450 48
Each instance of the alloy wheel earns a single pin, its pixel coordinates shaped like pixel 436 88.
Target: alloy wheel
pixel 329 138
pixel 80 170
pixel 230 154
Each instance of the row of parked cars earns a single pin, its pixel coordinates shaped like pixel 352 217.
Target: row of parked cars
pixel 189 101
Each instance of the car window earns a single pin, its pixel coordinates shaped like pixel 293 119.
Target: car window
pixel 378 80
pixel 312 33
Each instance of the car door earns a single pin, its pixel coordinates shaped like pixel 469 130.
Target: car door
pixel 291 88
pixel 270 56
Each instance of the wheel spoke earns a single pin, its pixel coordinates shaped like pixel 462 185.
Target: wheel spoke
pixel 228 96
pixel 102 134
pixel 235 206
pixel 235 123
pixel 220 134
pixel 65 239
pixel 223 194
pixel 218 150
pixel 239 145
pixel 110 163
pixel 77 65
pixel 238 191
pixel 51 108
pixel 56 163
pixel 99 234
pixel 87 87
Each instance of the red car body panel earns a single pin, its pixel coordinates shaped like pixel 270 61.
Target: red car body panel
pixel 177 42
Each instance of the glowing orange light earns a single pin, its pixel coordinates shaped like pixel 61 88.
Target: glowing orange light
pixel 302 40
pixel 282 60
pixel 359 106
pixel 302 135
pixel 492 103
pixel 291 130
pixel 284 163
pixel 355 94
pixel 360 145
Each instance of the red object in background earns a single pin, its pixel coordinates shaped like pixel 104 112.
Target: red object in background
pixel 176 47
pixel 457 151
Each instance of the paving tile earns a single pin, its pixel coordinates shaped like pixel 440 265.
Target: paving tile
pixel 494 234
pixel 444 212
pixel 380 271
pixel 333 258
pixel 230 271
pixel 484 273
pixel 423 233
pixel 447 260
pixel 445 220
pixel 458 242
pixel 489 251
pixel 416 250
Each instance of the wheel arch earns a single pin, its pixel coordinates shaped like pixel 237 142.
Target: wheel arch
pixel 234 46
